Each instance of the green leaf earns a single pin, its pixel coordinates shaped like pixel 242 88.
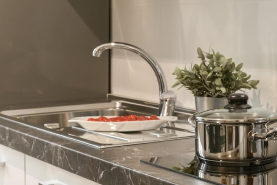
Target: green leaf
pixel 239 67
pixel 217 69
pixel 254 86
pixel 194 91
pixel 186 77
pixel 209 56
pixel 222 60
pixel 218 55
pixel 247 78
pixel 232 67
pixel 254 82
pixel 195 81
pixel 178 72
pixel 214 58
pixel 195 70
pixel 200 53
pixel 224 63
pixel 203 67
pixel 213 52
pixel 223 89
pixel 229 62
pixel 196 66
pixel 204 74
pixel 186 83
pixel 211 63
pixel 246 85
pixel 176 84
pixel 243 74
pixel 209 75
pixel 218 82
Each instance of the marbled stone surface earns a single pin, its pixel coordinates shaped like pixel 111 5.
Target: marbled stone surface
pixel 115 166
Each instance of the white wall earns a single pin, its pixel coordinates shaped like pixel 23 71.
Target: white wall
pixel 171 31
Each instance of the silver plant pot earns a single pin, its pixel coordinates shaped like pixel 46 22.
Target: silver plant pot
pixel 207 103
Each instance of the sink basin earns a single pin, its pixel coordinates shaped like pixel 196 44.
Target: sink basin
pixel 55 120
pixel 62 117
pixel 42 116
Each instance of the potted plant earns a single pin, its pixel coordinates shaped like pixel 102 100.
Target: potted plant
pixel 213 80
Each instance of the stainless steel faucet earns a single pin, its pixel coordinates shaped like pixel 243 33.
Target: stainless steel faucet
pixel 167 98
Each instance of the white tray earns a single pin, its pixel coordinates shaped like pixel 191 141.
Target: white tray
pixel 124 126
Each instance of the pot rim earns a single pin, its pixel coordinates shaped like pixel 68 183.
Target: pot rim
pixel 238 121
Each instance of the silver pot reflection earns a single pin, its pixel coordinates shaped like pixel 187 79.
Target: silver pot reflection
pixel 236 135
pixel 265 175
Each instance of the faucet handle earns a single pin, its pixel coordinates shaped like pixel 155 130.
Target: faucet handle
pixel 167 103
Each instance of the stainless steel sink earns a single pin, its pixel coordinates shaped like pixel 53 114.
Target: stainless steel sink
pixel 55 120
pixel 62 117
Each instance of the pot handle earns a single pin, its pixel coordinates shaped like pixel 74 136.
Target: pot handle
pixel 191 121
pixel 256 136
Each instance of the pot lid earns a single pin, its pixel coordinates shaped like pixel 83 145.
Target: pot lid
pixel 237 111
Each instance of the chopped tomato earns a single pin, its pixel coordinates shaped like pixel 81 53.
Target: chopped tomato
pixel 120 118
pixel 153 117
pixel 102 118
pixel 133 116
pixel 124 118
pixel 112 120
pixel 141 118
pixel 131 119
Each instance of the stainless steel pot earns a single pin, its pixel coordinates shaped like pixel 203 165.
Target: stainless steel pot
pixel 236 135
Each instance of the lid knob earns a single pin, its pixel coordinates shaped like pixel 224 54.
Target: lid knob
pixel 237 101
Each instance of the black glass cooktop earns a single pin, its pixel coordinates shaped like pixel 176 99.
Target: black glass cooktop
pixel 188 164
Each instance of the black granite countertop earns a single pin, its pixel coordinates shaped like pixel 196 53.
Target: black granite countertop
pixel 119 165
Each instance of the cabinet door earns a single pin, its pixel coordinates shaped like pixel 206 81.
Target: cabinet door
pixel 11 167
pixel 39 172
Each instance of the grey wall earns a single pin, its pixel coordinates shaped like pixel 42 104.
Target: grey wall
pixel 45 51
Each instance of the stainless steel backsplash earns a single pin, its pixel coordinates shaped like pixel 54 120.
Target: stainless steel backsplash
pixel 45 51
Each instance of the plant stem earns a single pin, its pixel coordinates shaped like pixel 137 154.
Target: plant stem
pixel 209 90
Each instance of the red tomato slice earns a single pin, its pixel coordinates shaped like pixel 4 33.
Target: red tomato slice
pixel 153 117
pixel 91 119
pixel 120 119
pixel 102 119
pixel 133 117
pixel 141 118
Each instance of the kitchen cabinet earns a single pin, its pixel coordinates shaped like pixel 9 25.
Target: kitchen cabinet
pixel 38 172
pixel 11 167
pixel 19 169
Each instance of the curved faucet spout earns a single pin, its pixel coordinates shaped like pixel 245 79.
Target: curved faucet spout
pixel 151 61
